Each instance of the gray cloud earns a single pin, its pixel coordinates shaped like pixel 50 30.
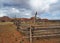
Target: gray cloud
pixel 14 3
pixel 11 12
pixel 55 9
pixel 25 10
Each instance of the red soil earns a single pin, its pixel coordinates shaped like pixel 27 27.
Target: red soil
pixel 9 34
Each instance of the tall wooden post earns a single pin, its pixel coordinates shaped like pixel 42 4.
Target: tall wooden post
pixel 35 17
pixel 31 37
pixel 31 34
pixel 17 23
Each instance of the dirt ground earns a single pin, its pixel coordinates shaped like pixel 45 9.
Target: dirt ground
pixel 9 34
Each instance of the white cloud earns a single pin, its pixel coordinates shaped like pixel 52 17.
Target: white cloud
pixel 2 14
pixel 14 10
pixel 11 12
pixel 54 9
pixel 41 4
pixel 27 14
pixel 24 8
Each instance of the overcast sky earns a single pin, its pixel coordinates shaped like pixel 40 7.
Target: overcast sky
pixel 26 8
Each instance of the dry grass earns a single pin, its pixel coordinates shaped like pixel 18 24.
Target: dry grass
pixel 9 34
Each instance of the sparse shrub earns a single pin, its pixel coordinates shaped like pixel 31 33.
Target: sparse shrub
pixel 2 21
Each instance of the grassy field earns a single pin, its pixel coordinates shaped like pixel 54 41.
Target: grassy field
pixel 9 34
